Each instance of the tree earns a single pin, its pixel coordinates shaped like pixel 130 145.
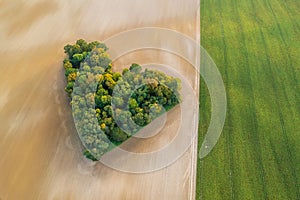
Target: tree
pixel 118 101
pixel 145 103
pixel 118 135
pixel 139 119
pixel 72 49
pixel 77 58
pixel 116 76
pixel 133 103
pixel 67 63
pixel 69 71
pixel 155 110
pixel 125 71
pixel 83 45
pixel 69 88
pixel 135 68
pixel 88 155
pixel 72 77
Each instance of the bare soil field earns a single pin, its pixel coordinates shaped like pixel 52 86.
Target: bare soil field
pixel 40 150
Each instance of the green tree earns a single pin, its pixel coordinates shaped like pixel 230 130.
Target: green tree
pixel 118 102
pixel 77 58
pixel 118 135
pixel 135 68
pixel 83 45
pixel 145 103
pixel 72 49
pixel 139 119
pixel 67 64
pixel 69 71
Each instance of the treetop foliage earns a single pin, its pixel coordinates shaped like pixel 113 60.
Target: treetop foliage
pixel 109 107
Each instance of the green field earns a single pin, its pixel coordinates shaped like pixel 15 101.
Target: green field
pixel 256 46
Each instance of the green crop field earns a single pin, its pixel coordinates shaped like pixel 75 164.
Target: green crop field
pixel 256 46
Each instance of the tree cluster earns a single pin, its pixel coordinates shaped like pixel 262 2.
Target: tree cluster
pixel 109 107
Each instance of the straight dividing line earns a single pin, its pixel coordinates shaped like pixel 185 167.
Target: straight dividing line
pixel 200 161
pixel 193 183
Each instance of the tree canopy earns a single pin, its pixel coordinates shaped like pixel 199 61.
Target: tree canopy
pixel 109 107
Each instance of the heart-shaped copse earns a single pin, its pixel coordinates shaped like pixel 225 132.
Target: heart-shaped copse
pixel 121 103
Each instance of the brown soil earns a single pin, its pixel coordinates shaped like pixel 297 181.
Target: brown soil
pixel 39 147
